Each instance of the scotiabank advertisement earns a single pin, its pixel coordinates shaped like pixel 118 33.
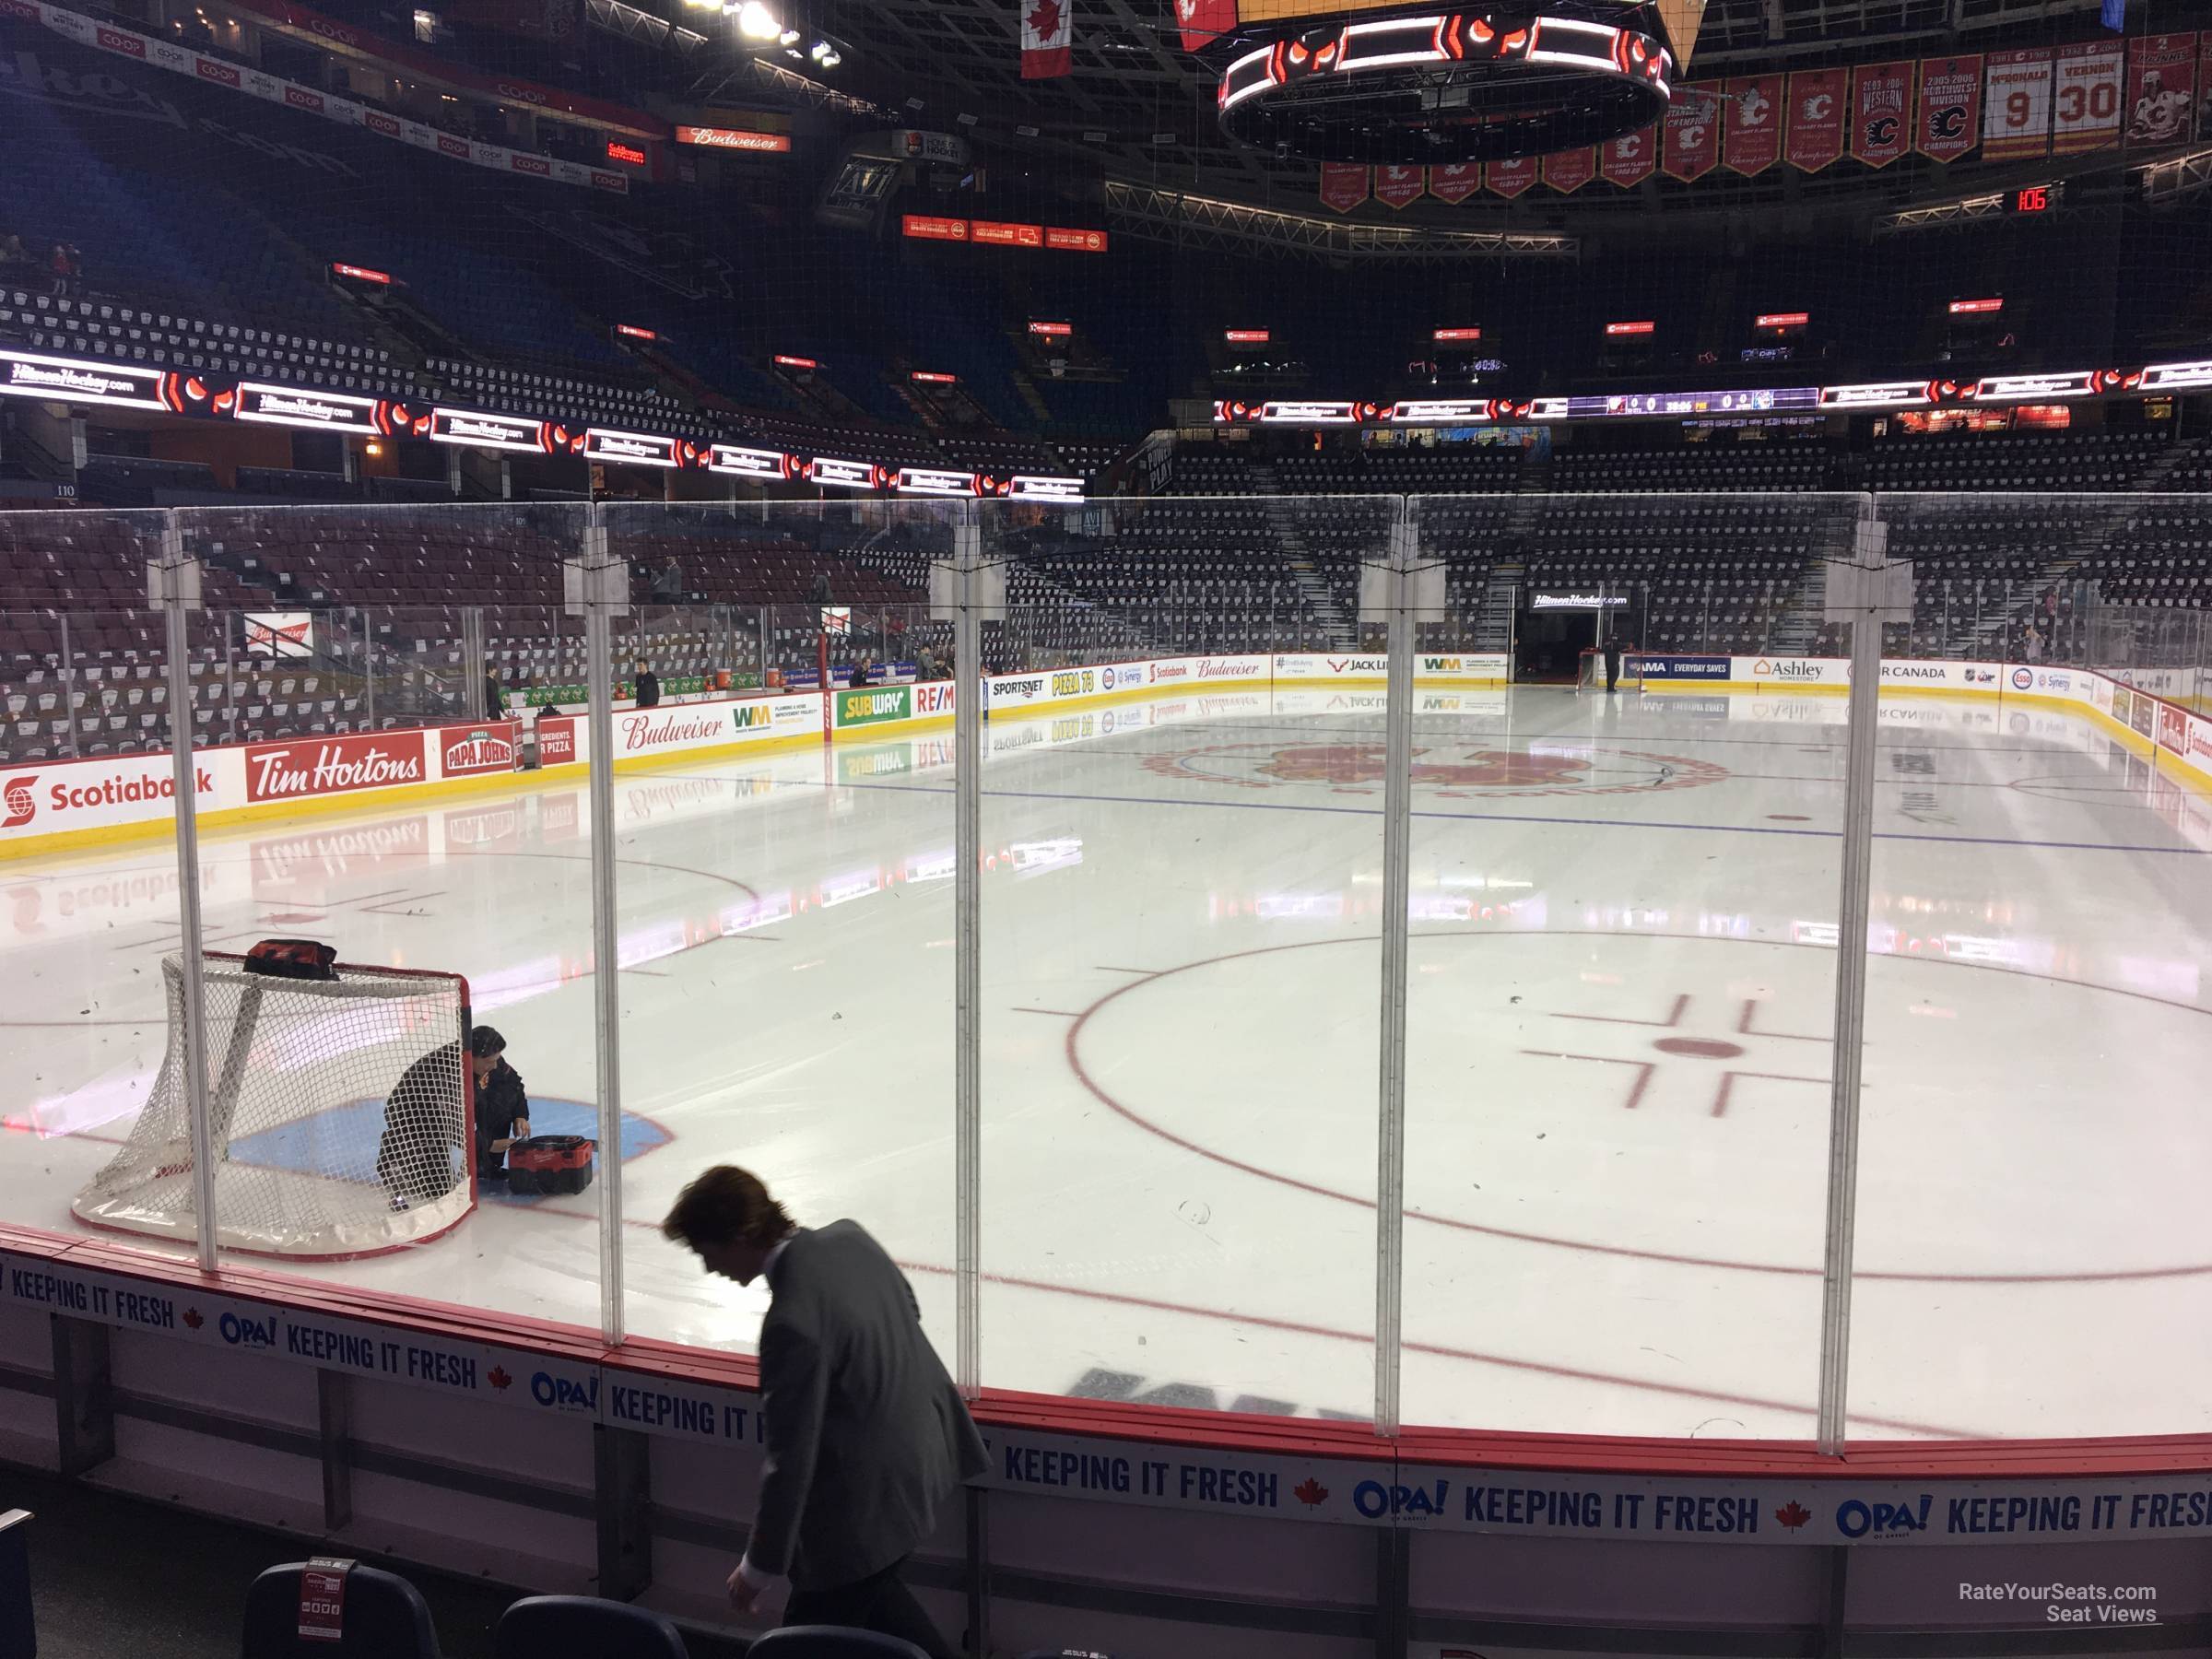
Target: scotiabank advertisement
pixel 97 795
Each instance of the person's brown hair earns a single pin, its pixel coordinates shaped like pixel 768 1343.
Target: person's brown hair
pixel 725 1205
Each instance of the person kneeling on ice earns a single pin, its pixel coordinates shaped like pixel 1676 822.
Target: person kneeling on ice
pixel 411 1161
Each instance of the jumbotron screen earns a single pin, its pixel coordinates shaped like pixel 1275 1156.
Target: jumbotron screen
pixel 1201 18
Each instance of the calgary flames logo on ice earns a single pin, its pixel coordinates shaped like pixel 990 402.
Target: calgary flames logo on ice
pixel 1357 769
pixel 1361 763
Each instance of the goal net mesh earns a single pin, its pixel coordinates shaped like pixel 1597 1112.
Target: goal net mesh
pixel 1593 671
pixel 339 1112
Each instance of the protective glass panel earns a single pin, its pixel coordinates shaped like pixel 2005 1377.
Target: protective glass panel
pixel 383 804
pixel 1625 864
pixel 783 870
pixel 87 805
pixel 2031 1158
pixel 1183 859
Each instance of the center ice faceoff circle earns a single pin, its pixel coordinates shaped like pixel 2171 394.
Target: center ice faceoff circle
pixel 1665 1098
pixel 1452 771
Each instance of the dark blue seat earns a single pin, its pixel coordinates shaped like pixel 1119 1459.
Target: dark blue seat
pixel 385 1617
pixel 830 1641
pixel 18 1633
pixel 582 1627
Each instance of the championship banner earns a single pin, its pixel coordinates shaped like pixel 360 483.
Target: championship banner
pixel 1509 178
pixel 2162 85
pixel 1398 186
pixel 1455 183
pixel 1205 22
pixel 1691 137
pixel 1630 158
pixel 2016 107
pixel 1343 185
pixel 2203 80
pixel 1571 169
pixel 2085 97
pixel 1881 112
pixel 1753 139
pixel 1950 108
pixel 1819 112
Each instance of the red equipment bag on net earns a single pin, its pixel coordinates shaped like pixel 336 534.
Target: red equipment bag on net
pixel 550 1163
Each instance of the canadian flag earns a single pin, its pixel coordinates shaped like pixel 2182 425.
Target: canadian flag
pixel 1047 30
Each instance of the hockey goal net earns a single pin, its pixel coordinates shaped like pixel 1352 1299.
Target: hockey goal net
pixel 1593 676
pixel 340 1113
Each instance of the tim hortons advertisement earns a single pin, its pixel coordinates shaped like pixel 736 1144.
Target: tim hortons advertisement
pixel 322 766
pixel 473 749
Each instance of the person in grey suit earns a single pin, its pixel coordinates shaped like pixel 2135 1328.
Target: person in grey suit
pixel 866 1434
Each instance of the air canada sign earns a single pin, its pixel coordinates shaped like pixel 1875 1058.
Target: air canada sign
pixel 292 772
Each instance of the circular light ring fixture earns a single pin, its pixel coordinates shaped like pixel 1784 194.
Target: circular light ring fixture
pixel 1443 87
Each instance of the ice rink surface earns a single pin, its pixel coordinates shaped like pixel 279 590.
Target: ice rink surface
pixel 1622 987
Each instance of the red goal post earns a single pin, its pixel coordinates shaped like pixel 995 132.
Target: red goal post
pixel 335 1109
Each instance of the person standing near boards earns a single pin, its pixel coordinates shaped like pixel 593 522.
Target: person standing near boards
pixel 867 1438
pixel 1612 650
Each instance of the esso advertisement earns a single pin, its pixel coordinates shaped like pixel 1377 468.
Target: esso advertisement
pixel 92 794
pixel 473 749
pixel 322 766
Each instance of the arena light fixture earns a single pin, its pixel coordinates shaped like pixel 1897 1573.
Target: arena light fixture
pixel 756 22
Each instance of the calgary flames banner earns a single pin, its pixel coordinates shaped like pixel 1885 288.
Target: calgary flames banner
pixel 1455 183
pixel 1819 113
pixel 1630 158
pixel 1398 186
pixel 2016 120
pixel 2085 97
pixel 1343 185
pixel 2161 86
pixel 1881 112
pixel 1753 141
pixel 1691 137
pixel 1509 178
pixel 1950 108
pixel 1569 170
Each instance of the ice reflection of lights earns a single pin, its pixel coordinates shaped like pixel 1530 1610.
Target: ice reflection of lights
pixel 756 913
pixel 1033 858
pixel 1299 907
pixel 843 890
pixel 651 943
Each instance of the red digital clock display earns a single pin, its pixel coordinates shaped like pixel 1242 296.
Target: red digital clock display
pixel 2031 198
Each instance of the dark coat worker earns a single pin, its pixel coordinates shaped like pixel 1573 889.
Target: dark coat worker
pixel 867 1438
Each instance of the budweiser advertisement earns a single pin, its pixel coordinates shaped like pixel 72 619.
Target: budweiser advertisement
pixel 308 767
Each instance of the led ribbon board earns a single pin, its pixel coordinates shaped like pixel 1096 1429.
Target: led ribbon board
pixel 748 463
pixel 62 379
pixel 313 411
pixel 935 481
pixel 488 431
pixel 629 449
pixel 842 475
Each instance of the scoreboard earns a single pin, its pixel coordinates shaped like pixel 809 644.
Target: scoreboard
pixel 1203 21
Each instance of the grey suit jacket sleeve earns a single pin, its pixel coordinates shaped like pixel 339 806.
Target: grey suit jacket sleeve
pixel 796 1387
